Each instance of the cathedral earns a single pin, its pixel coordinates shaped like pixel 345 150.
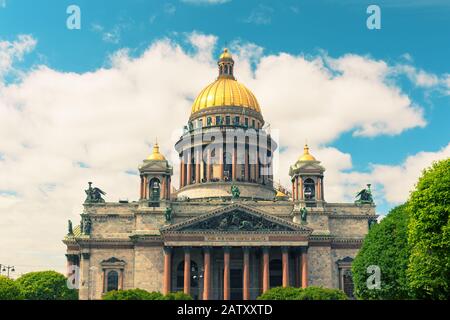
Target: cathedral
pixel 227 231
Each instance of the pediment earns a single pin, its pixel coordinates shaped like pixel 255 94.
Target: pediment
pixel 154 166
pixel 236 218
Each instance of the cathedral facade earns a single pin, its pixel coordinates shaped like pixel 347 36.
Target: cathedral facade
pixel 227 231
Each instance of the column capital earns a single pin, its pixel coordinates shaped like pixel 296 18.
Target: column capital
pixel 265 248
pixel 226 248
pixel 246 248
pixel 187 249
pixel 207 249
pixel 167 250
pixel 285 248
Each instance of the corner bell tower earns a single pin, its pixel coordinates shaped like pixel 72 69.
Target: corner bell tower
pixel 155 175
pixel 307 180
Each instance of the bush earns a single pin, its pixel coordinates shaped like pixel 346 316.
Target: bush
pixel 139 294
pixel 45 285
pixel 309 293
pixel 429 234
pixel 385 246
pixel 9 290
pixel 177 296
pixel 133 294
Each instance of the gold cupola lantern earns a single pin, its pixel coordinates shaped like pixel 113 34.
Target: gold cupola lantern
pixel 156 155
pixel 306 156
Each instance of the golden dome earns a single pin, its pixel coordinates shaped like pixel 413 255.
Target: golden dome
pixel 225 91
pixel 156 155
pixel 225 54
pixel 306 155
pixel 280 194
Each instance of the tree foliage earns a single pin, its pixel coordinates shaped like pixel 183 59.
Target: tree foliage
pixel 139 294
pixel 133 294
pixel 429 234
pixel 309 293
pixel 385 246
pixel 9 290
pixel 45 285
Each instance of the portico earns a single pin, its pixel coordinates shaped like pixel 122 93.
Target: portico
pixel 236 253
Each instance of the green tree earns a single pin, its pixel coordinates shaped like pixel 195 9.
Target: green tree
pixel 177 296
pixel 139 294
pixel 9 290
pixel 45 285
pixel 429 234
pixel 309 293
pixel 386 247
pixel 133 294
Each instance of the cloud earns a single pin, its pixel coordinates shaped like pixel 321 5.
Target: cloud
pixel 61 129
pixel 11 52
pixel 202 2
pixel 2 3
pixel 261 15
pixel 169 8
pixel 396 181
pixel 110 36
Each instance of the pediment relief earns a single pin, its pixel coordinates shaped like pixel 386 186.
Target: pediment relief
pixel 236 218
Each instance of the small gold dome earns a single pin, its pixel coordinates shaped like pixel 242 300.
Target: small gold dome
pixel 280 194
pixel 306 155
pixel 156 155
pixel 225 54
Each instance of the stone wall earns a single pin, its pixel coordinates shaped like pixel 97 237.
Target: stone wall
pixel 149 268
pixel 320 267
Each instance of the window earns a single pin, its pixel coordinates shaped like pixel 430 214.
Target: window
pixel 275 272
pixel 253 123
pixel 155 190
pixel 112 281
pixel 246 122
pixel 309 189
pixel 228 120
pixel 200 123
pixel 218 120
pixel 208 121
pixel 345 276
pixel 347 281
pixel 236 120
pixel 195 278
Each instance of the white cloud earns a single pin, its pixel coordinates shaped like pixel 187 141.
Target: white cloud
pixel 169 8
pixel 10 52
pixel 110 36
pixel 52 121
pixel 2 3
pixel 261 15
pixel 211 2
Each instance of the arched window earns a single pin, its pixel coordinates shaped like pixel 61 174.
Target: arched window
pixel 155 189
pixel 276 277
pixel 112 282
pixel 309 189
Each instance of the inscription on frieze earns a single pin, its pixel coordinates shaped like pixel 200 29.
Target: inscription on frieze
pixel 236 238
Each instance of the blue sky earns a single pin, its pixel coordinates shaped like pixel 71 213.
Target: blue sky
pixel 411 50
pixel 419 28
